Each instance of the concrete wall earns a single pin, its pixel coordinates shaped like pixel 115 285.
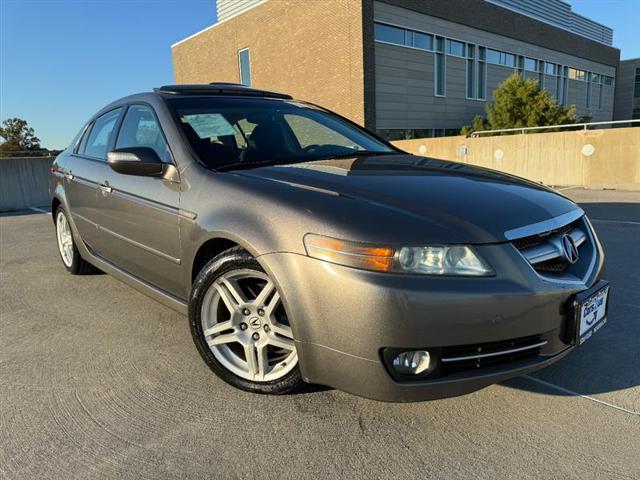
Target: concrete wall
pixel 605 157
pixel 311 50
pixel 24 182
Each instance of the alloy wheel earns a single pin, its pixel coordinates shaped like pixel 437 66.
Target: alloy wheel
pixel 65 239
pixel 246 327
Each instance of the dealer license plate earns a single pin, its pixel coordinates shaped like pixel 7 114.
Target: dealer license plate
pixel 592 314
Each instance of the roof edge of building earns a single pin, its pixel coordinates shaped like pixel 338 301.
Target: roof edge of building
pixel 241 12
pixel 483 17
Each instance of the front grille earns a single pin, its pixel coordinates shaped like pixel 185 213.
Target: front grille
pixel 540 238
pixel 466 358
pixel 546 254
pixel 554 266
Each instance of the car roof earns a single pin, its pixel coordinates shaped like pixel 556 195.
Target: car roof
pixel 193 90
pixel 220 88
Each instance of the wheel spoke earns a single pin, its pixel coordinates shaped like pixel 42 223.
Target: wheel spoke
pixel 265 293
pixel 221 339
pixel 256 358
pixel 231 294
pixel 273 304
pixel 282 330
pixel 282 342
pixel 263 361
pixel 218 328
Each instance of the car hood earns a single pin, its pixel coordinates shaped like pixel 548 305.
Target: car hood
pixel 476 205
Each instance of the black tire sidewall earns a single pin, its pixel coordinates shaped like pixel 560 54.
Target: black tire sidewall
pixel 232 259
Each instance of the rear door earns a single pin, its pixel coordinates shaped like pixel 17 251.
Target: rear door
pixel 84 170
pixel 139 219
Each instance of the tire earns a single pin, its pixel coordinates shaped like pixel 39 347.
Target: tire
pixel 68 252
pixel 239 326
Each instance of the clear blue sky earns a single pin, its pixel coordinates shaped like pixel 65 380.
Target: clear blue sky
pixel 62 60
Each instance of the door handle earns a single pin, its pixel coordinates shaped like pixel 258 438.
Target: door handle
pixel 105 188
pixel 68 177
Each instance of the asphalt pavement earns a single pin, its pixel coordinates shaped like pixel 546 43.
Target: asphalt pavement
pixel 98 381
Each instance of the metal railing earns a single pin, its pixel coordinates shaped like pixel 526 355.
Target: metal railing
pixel 584 126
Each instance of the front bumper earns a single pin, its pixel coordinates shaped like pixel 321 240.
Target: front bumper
pixel 343 319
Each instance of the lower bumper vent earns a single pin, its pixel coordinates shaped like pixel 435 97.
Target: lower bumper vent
pixel 473 357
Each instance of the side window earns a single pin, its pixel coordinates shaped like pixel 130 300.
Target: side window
pixel 140 129
pixel 99 138
pixel 83 141
pixel 309 132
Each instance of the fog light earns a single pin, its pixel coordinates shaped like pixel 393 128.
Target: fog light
pixel 413 362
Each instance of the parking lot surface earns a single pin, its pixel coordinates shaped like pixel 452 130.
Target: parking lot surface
pixel 98 381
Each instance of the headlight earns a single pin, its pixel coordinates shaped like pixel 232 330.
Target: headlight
pixel 428 260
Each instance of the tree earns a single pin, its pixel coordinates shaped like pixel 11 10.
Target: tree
pixel 18 135
pixel 519 102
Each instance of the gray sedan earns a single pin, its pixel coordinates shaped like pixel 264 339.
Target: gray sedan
pixel 303 248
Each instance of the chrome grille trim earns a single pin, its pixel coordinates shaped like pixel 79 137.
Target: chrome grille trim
pixel 552 249
pixel 540 249
pixel 545 225
pixel 495 354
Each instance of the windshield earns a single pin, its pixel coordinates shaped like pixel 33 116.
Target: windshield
pixel 228 133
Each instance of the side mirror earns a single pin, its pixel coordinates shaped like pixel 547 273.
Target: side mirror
pixel 142 161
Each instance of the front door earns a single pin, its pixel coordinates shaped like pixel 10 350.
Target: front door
pixel 139 221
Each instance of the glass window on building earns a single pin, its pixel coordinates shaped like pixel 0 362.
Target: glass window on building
pixel 550 68
pixel 482 53
pixel 600 97
pixel 471 75
pixel 508 59
pixel 455 48
pixel 439 76
pixel 530 64
pixel 387 33
pixel 422 41
pixel 575 74
pixel 493 56
pixel 636 114
pixel 245 67
pixel 481 81
pixel 636 89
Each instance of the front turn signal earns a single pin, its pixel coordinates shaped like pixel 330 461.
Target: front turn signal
pixel 352 254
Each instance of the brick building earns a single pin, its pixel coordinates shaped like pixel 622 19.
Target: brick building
pixel 406 68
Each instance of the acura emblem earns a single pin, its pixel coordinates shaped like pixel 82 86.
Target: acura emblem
pixel 255 322
pixel 570 249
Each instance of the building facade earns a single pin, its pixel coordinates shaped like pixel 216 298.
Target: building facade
pixel 558 13
pixel 627 99
pixel 406 68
